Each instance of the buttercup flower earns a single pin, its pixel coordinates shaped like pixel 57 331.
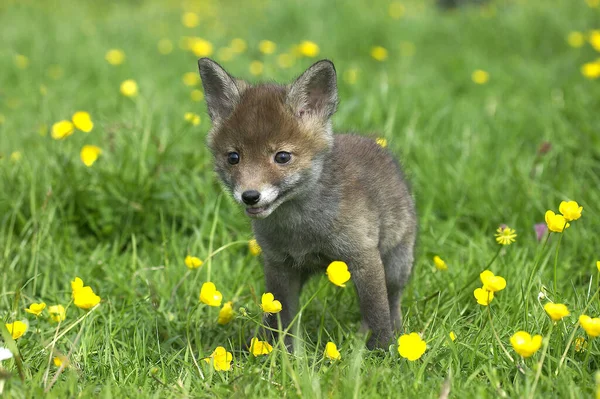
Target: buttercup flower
pixel 129 88
pixel 258 348
pixel 226 313
pixel 238 45
pixel 411 346
pixel 556 223
pixel 480 76
pixel 379 53
pixel 598 265
pixel 191 79
pixel 16 329
pixel 62 129
pixel 452 336
pixel 190 19
pixel 83 297
pixel 580 344
pixel 36 308
pixel 350 77
pixel 483 296
pixel 59 361
pixel 197 95
pixel 115 56
pixel 209 294
pixel 595 39
pixel 165 46
pixel 505 235
pixel 221 359
pixel 381 141
pixel 256 68
pixel 556 311
pixel 5 353
pixel 21 61
pixel 83 121
pixel 575 39
pixel 267 47
pixel 439 263
pixel 201 47
pixel 524 344
pixel 308 48
pixel 570 210
pixel 591 70
pixel 338 273
pixel 254 248
pixel 396 10
pixel 590 325
pixel 89 154
pixel 57 313
pixel 331 351
pixel 192 262
pixel 492 283
pixel 269 304
pixel 192 118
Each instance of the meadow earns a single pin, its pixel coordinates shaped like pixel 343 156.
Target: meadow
pixel 492 108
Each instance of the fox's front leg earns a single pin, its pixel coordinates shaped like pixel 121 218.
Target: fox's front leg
pixel 284 282
pixel 369 278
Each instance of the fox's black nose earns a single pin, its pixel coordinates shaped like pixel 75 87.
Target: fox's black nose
pixel 250 197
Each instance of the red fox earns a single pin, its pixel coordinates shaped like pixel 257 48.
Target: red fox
pixel 314 197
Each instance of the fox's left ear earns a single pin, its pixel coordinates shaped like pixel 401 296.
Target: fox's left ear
pixel 315 91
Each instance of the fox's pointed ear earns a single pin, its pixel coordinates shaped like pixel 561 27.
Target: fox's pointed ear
pixel 315 91
pixel 220 90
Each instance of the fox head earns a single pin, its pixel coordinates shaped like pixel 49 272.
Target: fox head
pixel 269 141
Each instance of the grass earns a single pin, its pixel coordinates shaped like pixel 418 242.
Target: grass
pixel 126 224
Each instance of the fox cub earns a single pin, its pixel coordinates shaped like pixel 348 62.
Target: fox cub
pixel 314 197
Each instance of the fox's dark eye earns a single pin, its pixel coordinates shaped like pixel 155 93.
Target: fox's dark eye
pixel 283 157
pixel 233 158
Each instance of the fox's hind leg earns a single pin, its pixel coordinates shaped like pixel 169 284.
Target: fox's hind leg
pixel 398 264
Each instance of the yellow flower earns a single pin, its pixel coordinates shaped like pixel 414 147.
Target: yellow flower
pixel 439 263
pixel 411 346
pixel 226 313
pixel 505 235
pixel 452 336
pixel 60 360
pixel 570 210
pixel 331 351
pixel 129 88
pixel 580 344
pixel 221 359
pixel 308 48
pixel 556 311
pixel 16 156
pixel 396 10
pixel 36 308
pixel 256 68
pixel 524 344
pixel 115 56
pixel 575 39
pixel 192 262
pixel 238 45
pixel 338 273
pixel 254 248
pixel 197 95
pixel 556 223
pixel 381 141
pixel 192 118
pixel 483 296
pixel 191 79
pixel 225 54
pixel 269 304
pixel 83 121
pixel 89 154
pixel 591 326
pixel 258 348
pixel 165 46
pixel 598 265
pixel 480 76
pixel 595 39
pixel 351 76
pixel 76 284
pixel 21 61
pixel 286 60
pixel 16 329
pixel 267 47
pixel 190 19
pixel 593 3
pixel 591 70
pixel 62 129
pixel 201 47
pixel 379 53
pixel 85 298
pixel 57 313
pixel 209 294
pixel 491 282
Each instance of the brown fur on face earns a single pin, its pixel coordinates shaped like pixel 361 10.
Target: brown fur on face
pixel 261 125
